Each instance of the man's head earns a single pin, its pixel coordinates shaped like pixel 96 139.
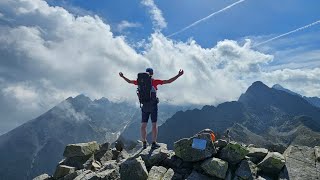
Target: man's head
pixel 150 71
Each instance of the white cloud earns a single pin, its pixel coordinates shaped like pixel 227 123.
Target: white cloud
pixel 303 81
pixel 125 25
pixel 157 18
pixel 48 54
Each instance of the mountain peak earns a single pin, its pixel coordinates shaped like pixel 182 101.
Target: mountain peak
pixel 82 97
pixel 258 85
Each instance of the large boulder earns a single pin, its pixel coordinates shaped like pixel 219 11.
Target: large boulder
pixel 300 163
pixel 42 177
pixel 215 167
pixel 153 157
pixel 233 153
pixel 77 161
pixel 157 173
pixel 133 169
pixel 272 163
pixel 63 170
pixel 257 154
pixel 81 149
pixel 188 150
pixel 246 170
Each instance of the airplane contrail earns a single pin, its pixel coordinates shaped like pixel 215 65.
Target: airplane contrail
pixel 285 34
pixel 205 18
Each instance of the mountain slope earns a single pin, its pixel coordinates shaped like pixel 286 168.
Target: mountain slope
pixel 184 124
pixel 261 112
pixel 36 146
pixel 312 100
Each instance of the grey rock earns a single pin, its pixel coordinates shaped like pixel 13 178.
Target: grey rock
pixel 300 163
pixel 246 170
pixel 133 169
pixel 197 176
pixel 105 146
pixel 88 176
pixel 119 155
pixel 42 177
pixel 119 145
pixel 169 175
pixel 63 170
pixel 183 148
pixel 153 157
pixel 157 173
pixel 77 161
pixel 221 143
pixel 172 161
pixel 81 149
pixel 233 153
pixel 317 152
pixel 215 167
pixel 73 175
pixel 92 165
pixel 272 163
pixel 82 175
pixel 109 174
pixel 112 164
pixel 264 177
pixel 229 175
pixel 257 154
pixel 107 156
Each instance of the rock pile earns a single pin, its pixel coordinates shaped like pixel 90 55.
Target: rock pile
pixel 193 158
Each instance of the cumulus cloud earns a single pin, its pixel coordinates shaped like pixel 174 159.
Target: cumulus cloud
pixel 49 54
pixel 157 18
pixel 123 25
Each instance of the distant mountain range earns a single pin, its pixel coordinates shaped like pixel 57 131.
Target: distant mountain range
pixel 312 100
pixel 264 116
pixel 37 146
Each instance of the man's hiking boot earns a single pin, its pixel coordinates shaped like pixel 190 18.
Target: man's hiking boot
pixel 155 145
pixel 145 144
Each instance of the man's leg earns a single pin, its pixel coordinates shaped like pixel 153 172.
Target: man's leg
pixel 143 131
pixel 154 119
pixel 154 131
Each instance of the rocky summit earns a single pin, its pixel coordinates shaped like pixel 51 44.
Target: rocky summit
pixel 199 157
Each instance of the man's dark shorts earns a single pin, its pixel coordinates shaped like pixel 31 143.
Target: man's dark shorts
pixel 149 109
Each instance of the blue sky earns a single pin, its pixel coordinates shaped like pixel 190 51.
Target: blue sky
pixel 250 18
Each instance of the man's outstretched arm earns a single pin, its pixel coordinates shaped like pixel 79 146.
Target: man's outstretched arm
pixel 173 78
pixel 126 79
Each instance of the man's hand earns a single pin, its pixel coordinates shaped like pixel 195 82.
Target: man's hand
pixel 180 72
pixel 121 74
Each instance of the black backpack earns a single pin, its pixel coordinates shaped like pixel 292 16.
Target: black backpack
pixel 144 87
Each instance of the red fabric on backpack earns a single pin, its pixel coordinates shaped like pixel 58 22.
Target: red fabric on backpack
pixel 155 83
